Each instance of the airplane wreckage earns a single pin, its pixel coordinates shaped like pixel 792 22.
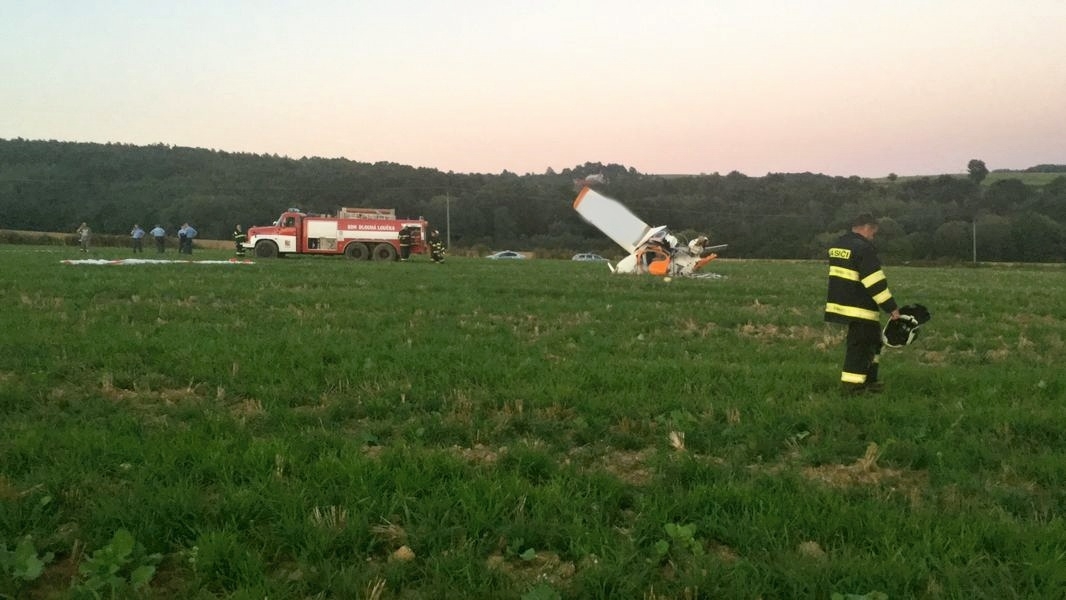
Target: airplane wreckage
pixel 652 250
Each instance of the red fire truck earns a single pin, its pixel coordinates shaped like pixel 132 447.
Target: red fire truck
pixel 358 233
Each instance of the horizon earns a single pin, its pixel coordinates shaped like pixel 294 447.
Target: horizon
pixel 961 173
pixel 478 87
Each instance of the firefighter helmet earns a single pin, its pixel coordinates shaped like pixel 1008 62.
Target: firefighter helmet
pixel 904 330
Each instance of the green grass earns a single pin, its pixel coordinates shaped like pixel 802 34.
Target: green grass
pixel 314 428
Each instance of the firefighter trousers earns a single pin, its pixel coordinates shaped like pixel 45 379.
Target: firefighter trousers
pixel 862 354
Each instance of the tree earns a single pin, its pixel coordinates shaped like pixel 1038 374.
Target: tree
pixel 1036 237
pixel 953 239
pixel 1005 196
pixel 977 170
pixel 994 238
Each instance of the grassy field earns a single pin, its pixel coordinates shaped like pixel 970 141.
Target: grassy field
pixel 315 428
pixel 1031 179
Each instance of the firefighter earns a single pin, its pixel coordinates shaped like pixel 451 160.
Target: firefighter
pixel 238 239
pixel 406 239
pixel 857 290
pixel 436 247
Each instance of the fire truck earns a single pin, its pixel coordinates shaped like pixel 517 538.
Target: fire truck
pixel 358 233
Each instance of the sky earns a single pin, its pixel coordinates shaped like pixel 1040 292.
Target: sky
pixel 840 87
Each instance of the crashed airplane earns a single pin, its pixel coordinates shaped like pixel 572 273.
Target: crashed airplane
pixel 652 250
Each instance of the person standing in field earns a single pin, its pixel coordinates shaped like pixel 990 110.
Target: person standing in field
pixel 181 238
pixel 160 236
pixel 436 247
pixel 84 235
pixel 406 239
pixel 190 233
pixel 239 238
pixel 137 235
pixel 857 292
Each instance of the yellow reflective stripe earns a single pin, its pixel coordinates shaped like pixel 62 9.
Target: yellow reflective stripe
pixel 873 278
pixel 852 311
pixel 852 377
pixel 843 273
pixel 883 297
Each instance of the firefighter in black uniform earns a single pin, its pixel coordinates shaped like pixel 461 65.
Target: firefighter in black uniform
pixel 238 240
pixel 436 247
pixel 406 240
pixel 858 290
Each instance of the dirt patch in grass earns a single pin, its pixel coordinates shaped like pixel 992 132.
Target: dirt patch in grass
pixel 479 454
pixel 630 466
pixel 932 357
pixel 723 552
pixel 164 396
pixel 541 567
pixel 866 472
pixel 247 409
pixel 692 327
pixel 769 332
pixel 57 576
pixel 8 491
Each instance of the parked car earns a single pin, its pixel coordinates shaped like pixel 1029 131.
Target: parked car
pixel 589 257
pixel 506 254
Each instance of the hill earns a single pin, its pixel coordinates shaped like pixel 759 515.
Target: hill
pixel 54 186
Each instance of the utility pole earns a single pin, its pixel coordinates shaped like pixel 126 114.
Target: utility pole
pixel 448 219
pixel 975 241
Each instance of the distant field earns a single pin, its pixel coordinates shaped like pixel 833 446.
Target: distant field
pixel 317 428
pixel 1033 179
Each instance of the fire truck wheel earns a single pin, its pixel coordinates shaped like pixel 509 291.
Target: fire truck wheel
pixel 266 249
pixel 384 251
pixel 357 251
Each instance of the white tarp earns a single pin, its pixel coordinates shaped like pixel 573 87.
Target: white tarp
pixel 154 261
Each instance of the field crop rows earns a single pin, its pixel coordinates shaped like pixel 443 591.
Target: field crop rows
pixel 314 428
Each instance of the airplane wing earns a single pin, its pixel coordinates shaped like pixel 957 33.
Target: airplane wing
pixel 613 219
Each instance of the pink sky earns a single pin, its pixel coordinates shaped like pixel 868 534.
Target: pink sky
pixel 843 88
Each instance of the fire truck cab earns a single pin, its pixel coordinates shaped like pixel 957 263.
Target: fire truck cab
pixel 358 233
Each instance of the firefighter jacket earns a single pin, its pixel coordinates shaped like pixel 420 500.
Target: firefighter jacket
pixel 857 285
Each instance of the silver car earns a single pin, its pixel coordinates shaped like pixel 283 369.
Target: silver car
pixel 506 254
pixel 589 257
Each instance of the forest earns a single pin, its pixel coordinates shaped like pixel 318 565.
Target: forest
pixel 53 186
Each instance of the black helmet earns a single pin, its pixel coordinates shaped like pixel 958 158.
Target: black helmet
pixel 904 330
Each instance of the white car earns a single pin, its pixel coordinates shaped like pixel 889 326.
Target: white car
pixel 506 254
pixel 589 257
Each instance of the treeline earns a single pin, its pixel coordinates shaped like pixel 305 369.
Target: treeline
pixel 54 186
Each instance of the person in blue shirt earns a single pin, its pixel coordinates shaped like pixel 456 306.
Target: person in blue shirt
pixel 137 234
pixel 188 232
pixel 160 236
